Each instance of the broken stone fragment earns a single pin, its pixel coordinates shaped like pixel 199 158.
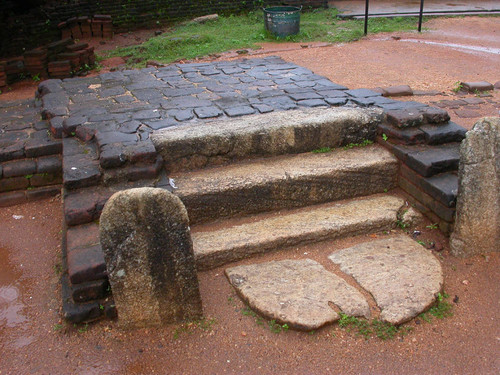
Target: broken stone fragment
pixel 299 293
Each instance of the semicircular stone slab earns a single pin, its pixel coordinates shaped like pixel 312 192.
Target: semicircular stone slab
pixel 296 292
pixel 403 277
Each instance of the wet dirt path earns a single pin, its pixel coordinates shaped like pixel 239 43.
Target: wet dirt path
pixel 34 340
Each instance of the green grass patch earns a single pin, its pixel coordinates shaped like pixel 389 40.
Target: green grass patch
pixel 273 326
pixel 322 150
pixel 190 40
pixel 442 309
pixel 365 143
pixel 368 329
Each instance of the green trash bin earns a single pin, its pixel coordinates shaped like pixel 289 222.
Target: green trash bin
pixel 282 21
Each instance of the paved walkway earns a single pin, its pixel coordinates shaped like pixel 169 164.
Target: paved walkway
pixel 115 113
pixel 412 7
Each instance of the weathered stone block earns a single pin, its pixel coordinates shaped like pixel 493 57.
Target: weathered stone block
pixel 401 90
pixel 85 264
pixel 13 183
pixel 403 118
pixel 49 164
pixel 12 198
pixel 477 227
pixel 148 250
pixel 19 168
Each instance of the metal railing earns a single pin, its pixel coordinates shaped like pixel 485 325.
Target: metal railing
pixel 420 15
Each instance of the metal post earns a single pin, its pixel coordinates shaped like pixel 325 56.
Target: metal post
pixel 366 16
pixel 420 16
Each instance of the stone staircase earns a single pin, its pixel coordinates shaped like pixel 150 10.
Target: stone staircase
pixel 247 202
pixel 234 141
pixel 253 185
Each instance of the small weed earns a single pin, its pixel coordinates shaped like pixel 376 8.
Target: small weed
pixel 189 328
pixel 83 328
pixel 365 143
pixel 73 134
pixel 57 327
pixel 458 87
pixel 441 309
pixel 367 329
pixel 322 150
pixel 101 307
pixel 384 330
pixel 36 77
pixel 247 311
pixel 422 243
pixel 401 224
pixel 58 268
pixel 385 137
pixel 432 226
pixel 28 176
pixel 272 324
pixel 276 327
pixel 385 190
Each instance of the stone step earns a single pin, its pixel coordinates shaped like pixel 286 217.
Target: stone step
pixel 269 232
pixel 428 160
pixel 22 134
pixel 29 179
pixel 431 134
pixel 12 198
pixel 442 187
pixel 193 146
pixel 285 182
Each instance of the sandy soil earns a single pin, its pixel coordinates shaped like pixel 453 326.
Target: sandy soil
pixel 35 340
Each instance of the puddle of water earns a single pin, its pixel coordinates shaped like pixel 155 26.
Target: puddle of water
pixel 11 305
pixel 463 47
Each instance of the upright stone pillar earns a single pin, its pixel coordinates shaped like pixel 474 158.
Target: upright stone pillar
pixel 477 224
pixel 149 256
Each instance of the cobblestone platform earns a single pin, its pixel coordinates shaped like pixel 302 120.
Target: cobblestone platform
pixel 102 125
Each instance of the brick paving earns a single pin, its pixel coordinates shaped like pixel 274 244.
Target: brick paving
pixel 100 127
pixel 30 161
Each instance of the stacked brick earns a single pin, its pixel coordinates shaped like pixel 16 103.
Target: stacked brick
pixel 427 146
pixel 61 59
pixel 100 26
pixel 35 62
pixel 30 158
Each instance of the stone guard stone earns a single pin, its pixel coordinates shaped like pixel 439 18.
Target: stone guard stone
pixel 148 251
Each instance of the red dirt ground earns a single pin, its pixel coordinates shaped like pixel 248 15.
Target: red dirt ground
pixel 35 340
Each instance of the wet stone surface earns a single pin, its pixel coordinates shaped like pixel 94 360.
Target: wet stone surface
pixel 118 111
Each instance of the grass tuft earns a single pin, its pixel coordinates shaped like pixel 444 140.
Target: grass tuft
pixel 190 40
